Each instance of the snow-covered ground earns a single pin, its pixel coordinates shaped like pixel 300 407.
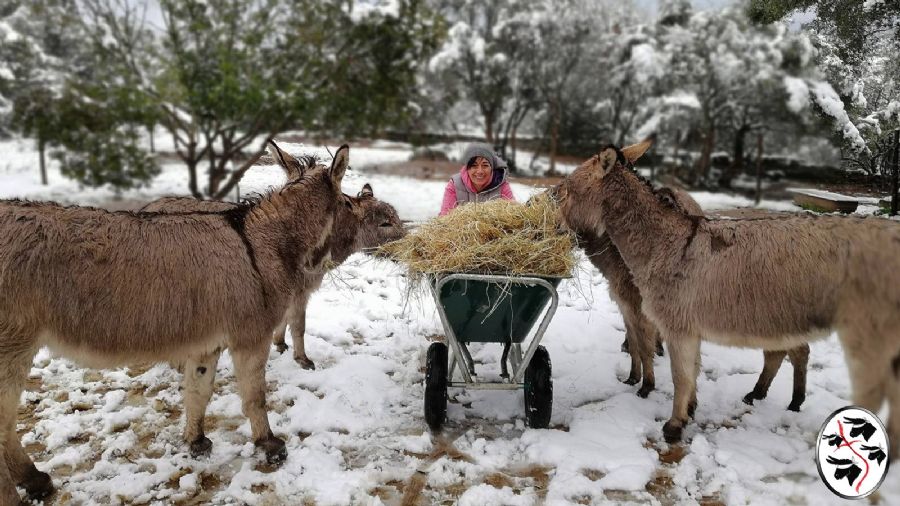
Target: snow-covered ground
pixel 354 427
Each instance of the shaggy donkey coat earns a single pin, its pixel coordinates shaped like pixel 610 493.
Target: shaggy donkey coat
pixel 766 283
pixel 116 288
pixel 642 336
pixel 369 223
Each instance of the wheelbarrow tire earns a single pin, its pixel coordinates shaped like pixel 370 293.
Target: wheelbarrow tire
pixel 436 386
pixel 538 390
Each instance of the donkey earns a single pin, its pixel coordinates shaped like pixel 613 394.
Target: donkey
pixel 642 336
pixel 367 225
pixel 117 288
pixel 769 283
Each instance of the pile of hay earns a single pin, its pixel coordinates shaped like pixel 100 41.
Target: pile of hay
pixel 496 237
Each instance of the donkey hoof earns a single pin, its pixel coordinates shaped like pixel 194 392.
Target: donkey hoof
pixel 201 447
pixel 305 363
pixel 795 406
pixel 281 347
pixel 37 484
pixel 748 399
pixel 645 390
pixel 275 449
pixel 672 433
pixel 631 381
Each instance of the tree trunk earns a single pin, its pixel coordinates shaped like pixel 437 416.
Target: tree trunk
pixel 554 136
pixel 512 144
pixel 759 157
pixel 41 149
pixel 192 178
pixel 489 127
pixel 895 174
pixel 705 162
pixel 676 163
pixel 152 143
pixel 737 162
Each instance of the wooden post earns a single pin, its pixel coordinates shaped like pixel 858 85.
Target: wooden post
pixel 759 155
pixel 894 174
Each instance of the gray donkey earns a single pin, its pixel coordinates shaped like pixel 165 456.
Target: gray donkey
pixel 772 283
pixel 117 288
pixel 369 223
pixel 641 334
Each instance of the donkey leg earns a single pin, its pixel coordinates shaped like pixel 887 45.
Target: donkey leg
pixel 278 337
pixel 16 467
pixel 298 330
pixel 37 484
pixel 8 410
pixel 683 352
pixel 199 376
pixel 634 375
pixel 647 342
pixel 799 358
pixel 250 369
pixel 692 403
pixel 772 361
pixel 893 427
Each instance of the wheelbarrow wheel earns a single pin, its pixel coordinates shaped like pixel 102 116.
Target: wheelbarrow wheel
pixel 538 390
pixel 436 386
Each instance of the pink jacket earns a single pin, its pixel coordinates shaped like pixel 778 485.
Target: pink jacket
pixel 450 201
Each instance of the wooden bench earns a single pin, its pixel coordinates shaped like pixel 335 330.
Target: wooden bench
pixel 823 201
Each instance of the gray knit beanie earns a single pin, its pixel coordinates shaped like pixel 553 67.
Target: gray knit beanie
pixel 482 150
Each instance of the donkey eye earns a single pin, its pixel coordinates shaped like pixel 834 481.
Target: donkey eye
pixel 386 224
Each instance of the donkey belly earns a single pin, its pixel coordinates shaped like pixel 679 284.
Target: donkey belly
pixel 781 342
pixel 102 353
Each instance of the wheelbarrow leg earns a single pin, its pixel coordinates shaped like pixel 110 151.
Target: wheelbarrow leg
pixel 466 359
pixel 504 372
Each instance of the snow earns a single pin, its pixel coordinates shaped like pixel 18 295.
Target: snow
pixel 831 104
pixel 823 194
pixel 798 93
pixel 354 427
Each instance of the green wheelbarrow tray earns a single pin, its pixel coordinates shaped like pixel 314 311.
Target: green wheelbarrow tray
pixel 493 310
pixel 501 309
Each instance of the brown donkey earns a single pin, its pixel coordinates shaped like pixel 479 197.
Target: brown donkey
pixel 767 283
pixel 642 336
pixel 367 225
pixel 117 288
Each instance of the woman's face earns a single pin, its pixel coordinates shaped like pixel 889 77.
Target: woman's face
pixel 480 173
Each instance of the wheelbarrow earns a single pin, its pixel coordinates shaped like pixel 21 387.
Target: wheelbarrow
pixel 480 308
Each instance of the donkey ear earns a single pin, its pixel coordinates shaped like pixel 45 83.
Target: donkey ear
pixel 635 151
pixel 606 160
pixel 291 165
pixel 339 165
pixel 366 191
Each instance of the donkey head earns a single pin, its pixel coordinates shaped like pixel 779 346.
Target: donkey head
pixel 310 202
pixel 380 223
pixel 579 194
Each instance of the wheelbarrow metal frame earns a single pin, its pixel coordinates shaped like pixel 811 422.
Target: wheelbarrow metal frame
pixel 461 355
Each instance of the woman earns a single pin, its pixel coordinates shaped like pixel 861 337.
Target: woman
pixel 482 178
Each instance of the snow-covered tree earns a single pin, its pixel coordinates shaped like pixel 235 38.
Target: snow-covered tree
pixel 227 75
pixel 857 42
pixel 742 77
pixel 41 50
pixel 481 59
